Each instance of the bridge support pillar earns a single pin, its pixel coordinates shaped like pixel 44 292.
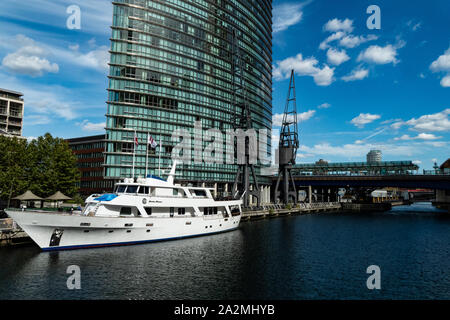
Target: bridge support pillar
pixel 309 194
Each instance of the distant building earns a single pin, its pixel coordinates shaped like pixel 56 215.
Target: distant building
pixel 445 167
pixel 374 156
pixel 89 152
pixel 321 162
pixel 11 113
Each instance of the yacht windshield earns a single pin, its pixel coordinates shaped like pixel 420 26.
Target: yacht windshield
pixel 132 189
pixel 121 189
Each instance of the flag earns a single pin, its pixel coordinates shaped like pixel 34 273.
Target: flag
pixel 152 142
pixel 136 143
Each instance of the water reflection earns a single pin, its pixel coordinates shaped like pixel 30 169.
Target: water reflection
pixel 300 257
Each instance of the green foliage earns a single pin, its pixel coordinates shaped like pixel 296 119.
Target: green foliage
pixel 44 166
pixel 289 206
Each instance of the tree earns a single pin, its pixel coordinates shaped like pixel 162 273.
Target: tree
pixel 44 166
pixel 14 166
pixel 54 167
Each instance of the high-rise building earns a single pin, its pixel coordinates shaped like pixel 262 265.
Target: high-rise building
pixel 171 65
pixel 11 113
pixel 374 156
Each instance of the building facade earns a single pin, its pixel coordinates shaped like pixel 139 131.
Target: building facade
pixel 374 156
pixel 11 113
pixel 171 66
pixel 90 158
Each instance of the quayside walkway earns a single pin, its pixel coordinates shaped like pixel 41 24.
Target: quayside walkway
pixel 270 211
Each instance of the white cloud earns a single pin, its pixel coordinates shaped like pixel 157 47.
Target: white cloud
pixel 417 162
pixel 445 82
pixel 432 122
pixel 351 41
pixel 306 115
pixel 286 15
pixel 46 101
pixel 436 122
pixel 339 25
pixel 86 125
pixel 36 119
pixel 335 36
pixel 277 119
pixel 442 64
pixel 379 55
pixel 96 15
pixel 364 118
pixel 304 67
pixel 324 106
pixel 337 57
pixel 96 59
pixel 357 74
pixel 29 59
pixel 74 47
pixel 421 136
pixel 414 26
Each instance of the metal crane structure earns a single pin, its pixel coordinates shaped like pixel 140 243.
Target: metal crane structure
pixel 287 149
pixel 242 120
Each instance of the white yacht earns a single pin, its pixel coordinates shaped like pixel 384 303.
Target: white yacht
pixel 140 210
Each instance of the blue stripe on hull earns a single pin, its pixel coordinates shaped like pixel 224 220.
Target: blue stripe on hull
pixel 101 245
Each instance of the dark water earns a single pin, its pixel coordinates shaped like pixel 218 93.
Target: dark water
pixel 302 257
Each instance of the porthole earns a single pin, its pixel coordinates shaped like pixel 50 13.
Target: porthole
pixel 128 231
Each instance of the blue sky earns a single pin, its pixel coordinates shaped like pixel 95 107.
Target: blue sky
pixel 357 89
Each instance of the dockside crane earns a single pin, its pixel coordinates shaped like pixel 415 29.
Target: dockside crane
pixel 242 122
pixel 287 149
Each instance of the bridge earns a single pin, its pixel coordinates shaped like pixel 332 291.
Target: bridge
pixel 435 182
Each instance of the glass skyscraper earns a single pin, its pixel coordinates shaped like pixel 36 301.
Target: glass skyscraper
pixel 171 65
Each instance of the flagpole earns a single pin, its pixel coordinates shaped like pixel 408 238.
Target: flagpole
pixel 134 152
pixel 159 161
pixel 146 158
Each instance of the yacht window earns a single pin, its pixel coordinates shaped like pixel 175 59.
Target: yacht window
pixel 121 189
pixel 132 189
pixel 148 210
pixel 125 211
pixel 143 190
pixel 181 211
pixel 200 193
pixel 215 210
pixel 172 210
pixel 175 192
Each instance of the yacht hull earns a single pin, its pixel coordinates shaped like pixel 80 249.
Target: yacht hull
pixel 52 231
